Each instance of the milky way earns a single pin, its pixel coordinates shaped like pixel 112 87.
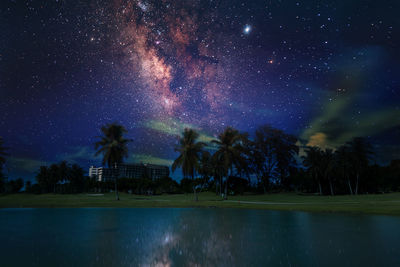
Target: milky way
pixel 325 71
pixel 176 58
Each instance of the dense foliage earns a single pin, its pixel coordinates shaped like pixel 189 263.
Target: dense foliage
pixel 234 163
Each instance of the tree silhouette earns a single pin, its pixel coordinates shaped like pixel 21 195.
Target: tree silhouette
pixel 229 153
pixel 3 155
pixel 312 161
pixel 244 165
pixel 113 147
pixel 54 176
pixel 361 152
pixel 205 168
pixel 327 165
pixel 343 162
pixel 286 150
pixel 43 179
pixel 218 172
pixel 75 177
pixel 189 155
pixel 257 165
pixel 278 150
pixel 2 151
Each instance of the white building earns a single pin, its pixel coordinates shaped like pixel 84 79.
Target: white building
pixel 141 170
pixel 96 172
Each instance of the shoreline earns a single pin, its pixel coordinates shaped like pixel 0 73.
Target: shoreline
pixel 379 204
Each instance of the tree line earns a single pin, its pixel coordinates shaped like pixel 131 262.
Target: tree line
pixel 268 161
pixel 272 157
pixel 228 164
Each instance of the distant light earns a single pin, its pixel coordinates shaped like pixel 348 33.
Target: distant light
pixel 247 29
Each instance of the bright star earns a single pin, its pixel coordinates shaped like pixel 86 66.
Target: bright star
pixel 247 29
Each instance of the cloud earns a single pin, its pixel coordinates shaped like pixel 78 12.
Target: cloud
pixel 345 115
pixel 374 123
pixel 331 130
pixel 149 159
pixel 175 127
pixel 25 164
pixel 318 139
pixel 78 154
pixel 28 165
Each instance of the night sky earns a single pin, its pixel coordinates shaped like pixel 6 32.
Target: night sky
pixel 325 71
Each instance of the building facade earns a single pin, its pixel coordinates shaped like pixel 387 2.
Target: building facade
pixel 134 171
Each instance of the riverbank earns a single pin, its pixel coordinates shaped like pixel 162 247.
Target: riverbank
pixel 385 204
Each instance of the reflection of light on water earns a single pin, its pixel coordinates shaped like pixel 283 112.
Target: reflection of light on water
pixel 188 244
pixel 190 249
pixel 168 238
pixel 162 264
pixel 161 255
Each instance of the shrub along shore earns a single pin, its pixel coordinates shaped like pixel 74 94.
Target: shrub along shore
pixel 384 204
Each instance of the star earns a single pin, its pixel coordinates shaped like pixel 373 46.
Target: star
pixel 247 29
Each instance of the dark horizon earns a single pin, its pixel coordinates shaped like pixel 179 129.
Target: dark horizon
pixel 324 71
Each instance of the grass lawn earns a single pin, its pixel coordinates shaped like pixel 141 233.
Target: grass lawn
pixel 388 204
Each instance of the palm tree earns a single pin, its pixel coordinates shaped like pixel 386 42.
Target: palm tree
pixel 113 147
pixel 229 153
pixel 205 168
pixel 189 155
pixel 218 171
pixel 312 161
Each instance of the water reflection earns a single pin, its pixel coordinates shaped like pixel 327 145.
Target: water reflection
pixel 194 240
pixel 195 237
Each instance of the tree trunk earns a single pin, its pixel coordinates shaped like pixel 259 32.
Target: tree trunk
pixel 357 184
pixel 216 188
pixel 220 185
pixel 264 184
pixel 226 188
pixel 351 190
pixel 116 188
pixel 115 183
pixel 320 188
pixel 195 193
pixel 226 184
pixel 194 189
pixel 330 185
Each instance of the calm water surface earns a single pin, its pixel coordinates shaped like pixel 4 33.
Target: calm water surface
pixel 206 237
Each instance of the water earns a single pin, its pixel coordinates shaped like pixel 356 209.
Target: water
pixel 207 237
